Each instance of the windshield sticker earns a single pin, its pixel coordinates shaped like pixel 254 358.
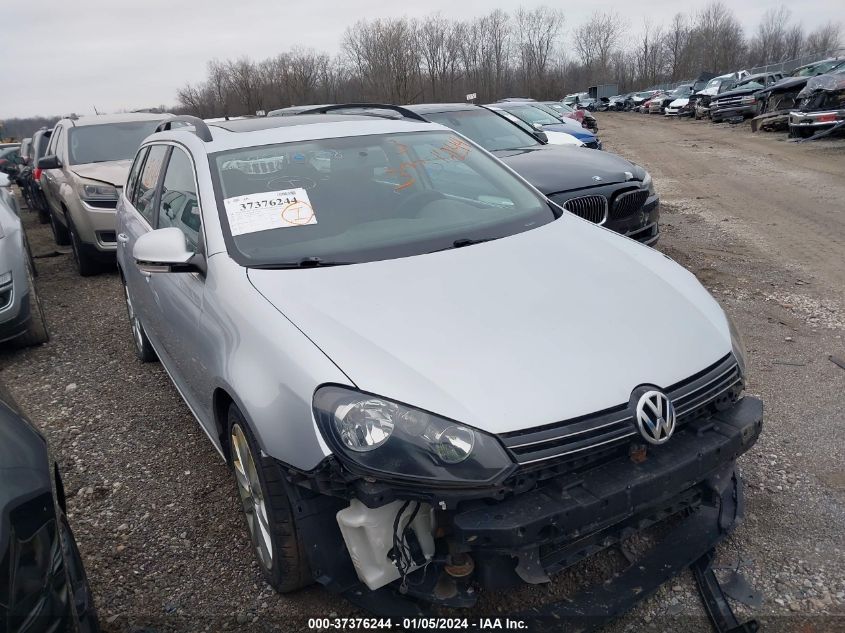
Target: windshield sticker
pixel 269 210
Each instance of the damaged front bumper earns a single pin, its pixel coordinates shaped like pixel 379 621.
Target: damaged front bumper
pixel 815 121
pixel 499 538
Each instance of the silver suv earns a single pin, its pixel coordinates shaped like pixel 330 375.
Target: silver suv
pixel 428 379
pixel 85 166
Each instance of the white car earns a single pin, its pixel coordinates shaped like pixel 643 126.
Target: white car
pixel 562 138
pixel 674 108
pixel 428 379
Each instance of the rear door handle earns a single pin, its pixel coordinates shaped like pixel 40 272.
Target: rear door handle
pixel 122 238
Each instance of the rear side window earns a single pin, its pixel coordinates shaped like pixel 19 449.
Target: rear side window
pixel 144 201
pixel 132 181
pixel 178 204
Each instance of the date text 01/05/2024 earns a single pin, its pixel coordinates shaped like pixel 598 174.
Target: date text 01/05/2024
pixel 417 624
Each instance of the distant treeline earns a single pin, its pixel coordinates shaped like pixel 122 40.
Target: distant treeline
pixel 18 129
pixel 527 53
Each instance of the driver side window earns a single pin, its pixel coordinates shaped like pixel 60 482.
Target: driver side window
pixel 178 203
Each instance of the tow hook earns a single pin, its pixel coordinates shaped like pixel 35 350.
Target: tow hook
pixel 715 603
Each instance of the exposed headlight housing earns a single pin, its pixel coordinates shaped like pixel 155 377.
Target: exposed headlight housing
pixel 93 190
pixel 748 100
pixel 385 437
pixel 648 183
pixel 738 345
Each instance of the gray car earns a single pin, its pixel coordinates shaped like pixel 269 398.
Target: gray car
pixel 21 317
pixel 84 167
pixel 427 379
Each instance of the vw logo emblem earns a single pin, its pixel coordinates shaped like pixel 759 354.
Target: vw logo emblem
pixel 655 417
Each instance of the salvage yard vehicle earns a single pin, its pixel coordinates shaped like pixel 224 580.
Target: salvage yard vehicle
pixel 541 119
pixel 414 363
pixel 44 586
pixel 86 164
pixel 21 316
pixel 600 187
pixel 713 87
pixel 40 141
pixel 10 160
pixel 585 118
pixel 779 99
pixel 740 100
pixel 820 106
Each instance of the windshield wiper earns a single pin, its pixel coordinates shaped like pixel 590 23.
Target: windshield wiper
pixel 464 241
pixel 305 262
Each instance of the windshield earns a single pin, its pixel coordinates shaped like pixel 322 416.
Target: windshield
pixel 108 141
pixel 486 128
pixel 366 198
pixel 531 114
pixel 819 69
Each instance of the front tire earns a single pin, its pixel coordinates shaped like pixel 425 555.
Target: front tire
pixel 60 233
pixel 83 599
pixel 143 349
pixel 266 503
pixel 86 266
pixel 36 333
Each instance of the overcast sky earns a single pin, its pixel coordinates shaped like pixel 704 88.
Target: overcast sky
pixel 67 56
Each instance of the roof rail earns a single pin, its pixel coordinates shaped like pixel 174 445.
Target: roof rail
pixel 200 128
pixel 405 112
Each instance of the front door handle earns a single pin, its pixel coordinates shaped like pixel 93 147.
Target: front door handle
pixel 122 238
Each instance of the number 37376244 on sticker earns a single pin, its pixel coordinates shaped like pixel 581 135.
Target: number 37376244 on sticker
pixel 269 210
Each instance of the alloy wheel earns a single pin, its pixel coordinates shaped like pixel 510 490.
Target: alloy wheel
pixel 252 497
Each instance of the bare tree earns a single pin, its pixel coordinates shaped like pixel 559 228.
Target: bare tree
pixel 537 32
pixel 385 54
pixel 826 38
pixel 677 44
pixel 596 40
pixel 769 43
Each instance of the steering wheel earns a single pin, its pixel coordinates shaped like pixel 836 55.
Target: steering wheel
pixel 420 199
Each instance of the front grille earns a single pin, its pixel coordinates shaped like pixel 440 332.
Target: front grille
pixel 727 102
pixel 592 208
pixel 716 386
pixel 628 203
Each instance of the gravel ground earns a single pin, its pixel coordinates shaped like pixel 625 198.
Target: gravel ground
pixel 156 513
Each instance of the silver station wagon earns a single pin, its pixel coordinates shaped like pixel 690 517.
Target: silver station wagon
pixel 429 380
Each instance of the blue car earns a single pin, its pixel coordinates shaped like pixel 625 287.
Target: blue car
pixel 541 117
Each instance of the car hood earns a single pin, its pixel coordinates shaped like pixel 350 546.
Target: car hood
pixel 113 172
pixel 784 85
pixel 554 323
pixel 562 138
pixel 555 168
pixel 679 103
pixel 739 92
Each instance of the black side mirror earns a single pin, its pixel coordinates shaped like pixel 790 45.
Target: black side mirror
pixel 49 162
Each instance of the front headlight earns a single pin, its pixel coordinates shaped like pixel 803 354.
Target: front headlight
pixel 92 190
pixel 386 437
pixel 738 345
pixel 648 183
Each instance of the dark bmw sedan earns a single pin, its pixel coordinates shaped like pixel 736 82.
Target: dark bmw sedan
pixel 43 586
pixel 601 187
